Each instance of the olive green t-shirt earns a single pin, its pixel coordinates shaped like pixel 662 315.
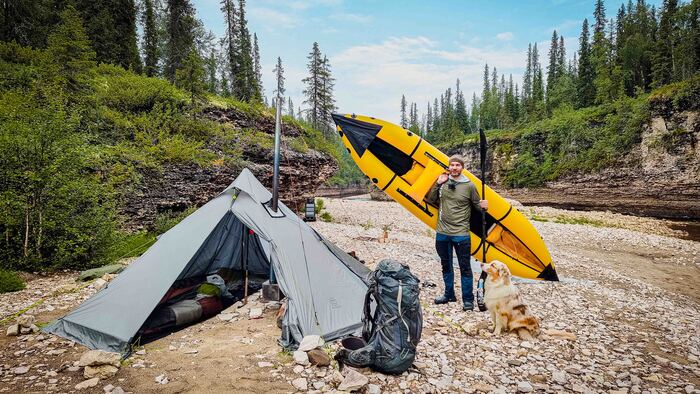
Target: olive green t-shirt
pixel 454 205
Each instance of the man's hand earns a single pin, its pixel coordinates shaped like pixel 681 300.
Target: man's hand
pixel 484 204
pixel 442 178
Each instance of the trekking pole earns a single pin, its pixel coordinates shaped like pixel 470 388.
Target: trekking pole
pixel 482 277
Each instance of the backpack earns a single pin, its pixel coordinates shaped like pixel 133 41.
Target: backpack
pixel 393 331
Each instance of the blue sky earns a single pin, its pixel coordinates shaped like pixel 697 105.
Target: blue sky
pixel 379 50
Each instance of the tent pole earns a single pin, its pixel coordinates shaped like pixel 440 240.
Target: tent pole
pixel 278 132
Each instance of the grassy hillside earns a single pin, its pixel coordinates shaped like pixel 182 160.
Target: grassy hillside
pixel 584 140
pixel 75 138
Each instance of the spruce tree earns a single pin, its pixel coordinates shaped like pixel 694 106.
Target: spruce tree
pixel 245 85
pixel 290 110
pixel 211 66
pixel 181 25
pixel 257 66
pixel 552 68
pixel 279 78
pixel 404 119
pixel 585 88
pixel 228 8
pixel 70 56
pixel 461 116
pixel 150 39
pixel 312 92
pixel 663 59
pixel 527 80
pixel 327 99
pixel 190 76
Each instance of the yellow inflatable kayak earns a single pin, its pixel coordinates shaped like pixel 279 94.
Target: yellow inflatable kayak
pixel 405 167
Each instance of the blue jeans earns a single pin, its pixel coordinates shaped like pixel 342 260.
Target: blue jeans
pixel 462 245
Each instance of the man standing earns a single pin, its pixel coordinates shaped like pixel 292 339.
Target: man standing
pixel 455 196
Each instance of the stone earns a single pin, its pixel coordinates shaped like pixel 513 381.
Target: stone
pixel 108 388
pixel 265 364
pixel 353 381
pixel 559 334
pixel 190 351
pixel 26 320
pixel 300 384
pixel 225 316
pixel 99 284
pixel 256 313
pixel 162 379
pixel 87 384
pixel 318 385
pixel 559 377
pixel 310 342
pixel 374 389
pixel 13 330
pixel 301 358
pixel 99 357
pixel 20 370
pixel 524 387
pixel 100 371
pixel 298 369
pixel 141 352
pixel 55 352
pixel 338 377
pixel 319 357
pixel 118 390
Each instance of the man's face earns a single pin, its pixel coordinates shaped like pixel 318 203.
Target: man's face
pixel 455 169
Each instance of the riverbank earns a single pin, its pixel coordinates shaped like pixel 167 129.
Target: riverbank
pixel 629 299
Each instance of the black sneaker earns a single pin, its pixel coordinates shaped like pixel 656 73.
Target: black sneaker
pixel 444 299
pixel 468 306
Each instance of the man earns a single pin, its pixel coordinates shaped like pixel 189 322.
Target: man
pixel 455 195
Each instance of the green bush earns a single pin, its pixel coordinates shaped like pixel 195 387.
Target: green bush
pixel 135 93
pixel 10 281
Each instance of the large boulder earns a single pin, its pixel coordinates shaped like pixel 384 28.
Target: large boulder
pixel 95 358
pixel 310 342
pixel 26 320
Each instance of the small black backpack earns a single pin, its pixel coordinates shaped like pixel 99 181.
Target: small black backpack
pixel 393 331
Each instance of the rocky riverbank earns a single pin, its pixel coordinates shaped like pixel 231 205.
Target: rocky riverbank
pixel 623 319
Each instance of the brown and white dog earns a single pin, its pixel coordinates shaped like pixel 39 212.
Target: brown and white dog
pixel 508 312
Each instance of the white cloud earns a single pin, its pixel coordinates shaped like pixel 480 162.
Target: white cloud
pixel 370 79
pixel 505 36
pixel 275 19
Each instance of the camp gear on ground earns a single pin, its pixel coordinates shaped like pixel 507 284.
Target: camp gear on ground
pixel 393 329
pixel 405 167
pixel 324 285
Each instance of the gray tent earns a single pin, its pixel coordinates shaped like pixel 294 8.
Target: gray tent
pixel 325 287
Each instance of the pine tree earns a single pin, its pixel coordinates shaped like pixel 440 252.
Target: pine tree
pixel 585 88
pixel 290 110
pixel 70 56
pixel 404 119
pixel 428 120
pixel 27 22
pixel 190 76
pixel 245 85
pixel 232 41
pixel 527 80
pixel 552 67
pixel 150 39
pixel 256 65
pixel 279 77
pixel 663 66
pixel 474 114
pixel 181 25
pixel 561 58
pixel 461 116
pixel 537 82
pixel 313 86
pixel 327 99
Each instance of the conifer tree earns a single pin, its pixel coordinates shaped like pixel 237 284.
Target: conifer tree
pixel 474 115
pixel 245 85
pixel 191 76
pixel 537 83
pixel 290 110
pixel 70 56
pixel 585 88
pixel 257 66
pixel 150 39
pixel 527 80
pixel 232 41
pixel 553 66
pixel 327 100
pixel 211 66
pixel 663 69
pixel 314 91
pixel 181 25
pixel 404 119
pixel 279 77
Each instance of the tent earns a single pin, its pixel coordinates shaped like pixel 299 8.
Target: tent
pixel 237 230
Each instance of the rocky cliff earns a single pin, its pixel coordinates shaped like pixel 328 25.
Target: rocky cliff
pixel 659 177
pixel 178 187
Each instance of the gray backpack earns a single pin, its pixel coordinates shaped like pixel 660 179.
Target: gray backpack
pixel 393 331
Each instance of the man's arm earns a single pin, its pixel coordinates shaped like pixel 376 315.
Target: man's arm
pixel 474 197
pixel 433 196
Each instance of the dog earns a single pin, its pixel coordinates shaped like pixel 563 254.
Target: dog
pixel 508 312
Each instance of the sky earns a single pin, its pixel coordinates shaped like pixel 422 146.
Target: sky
pixel 381 50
